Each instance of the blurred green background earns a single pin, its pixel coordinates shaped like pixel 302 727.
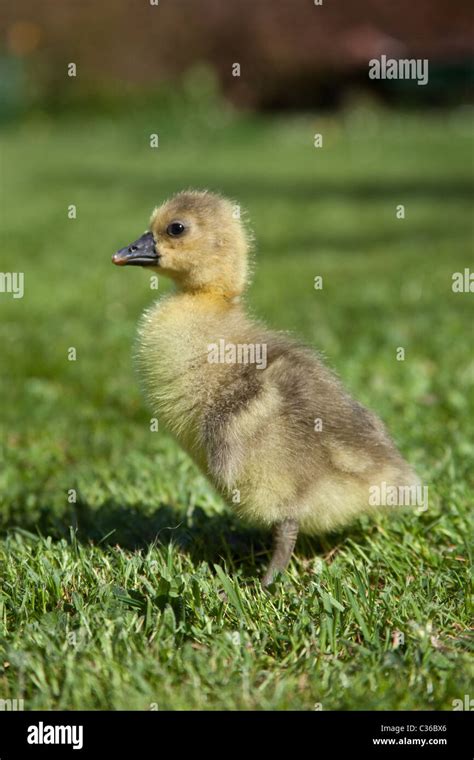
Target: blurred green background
pixel 101 570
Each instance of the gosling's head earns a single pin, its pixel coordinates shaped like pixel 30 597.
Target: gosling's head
pixel 197 239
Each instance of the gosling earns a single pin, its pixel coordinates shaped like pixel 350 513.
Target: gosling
pixel 268 423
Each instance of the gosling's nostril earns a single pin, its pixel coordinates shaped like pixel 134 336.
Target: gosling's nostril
pixel 132 248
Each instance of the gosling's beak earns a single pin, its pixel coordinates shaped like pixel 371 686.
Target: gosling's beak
pixel 141 253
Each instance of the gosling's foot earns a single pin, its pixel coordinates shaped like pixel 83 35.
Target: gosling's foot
pixel 285 534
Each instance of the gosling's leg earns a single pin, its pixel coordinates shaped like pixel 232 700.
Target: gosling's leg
pixel 285 534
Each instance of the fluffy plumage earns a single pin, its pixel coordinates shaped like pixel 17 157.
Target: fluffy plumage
pixel 252 431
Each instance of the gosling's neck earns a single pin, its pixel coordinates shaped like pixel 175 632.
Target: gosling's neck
pixel 208 298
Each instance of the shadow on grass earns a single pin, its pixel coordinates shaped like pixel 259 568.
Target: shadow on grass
pixel 203 537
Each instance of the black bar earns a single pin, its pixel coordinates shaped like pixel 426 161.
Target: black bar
pixel 374 734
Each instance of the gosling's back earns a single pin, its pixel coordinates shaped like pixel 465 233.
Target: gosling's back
pixel 283 441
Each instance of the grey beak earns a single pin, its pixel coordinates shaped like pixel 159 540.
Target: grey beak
pixel 141 253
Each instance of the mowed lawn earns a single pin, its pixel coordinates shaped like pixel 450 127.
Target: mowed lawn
pixel 110 599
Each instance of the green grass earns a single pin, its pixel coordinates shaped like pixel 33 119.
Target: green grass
pixel 113 601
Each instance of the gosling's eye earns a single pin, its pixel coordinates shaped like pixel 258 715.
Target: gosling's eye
pixel 175 228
